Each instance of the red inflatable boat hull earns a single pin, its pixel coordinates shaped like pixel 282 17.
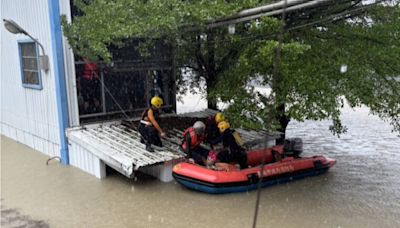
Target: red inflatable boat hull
pixel 200 178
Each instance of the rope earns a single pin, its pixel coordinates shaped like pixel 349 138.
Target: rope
pixel 101 79
pixel 275 72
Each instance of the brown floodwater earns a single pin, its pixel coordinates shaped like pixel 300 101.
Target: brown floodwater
pixel 362 190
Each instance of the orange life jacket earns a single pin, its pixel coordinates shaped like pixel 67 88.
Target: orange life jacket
pixel 194 139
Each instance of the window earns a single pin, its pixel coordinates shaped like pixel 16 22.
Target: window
pixel 29 65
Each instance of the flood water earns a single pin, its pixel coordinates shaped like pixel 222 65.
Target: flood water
pixel 362 190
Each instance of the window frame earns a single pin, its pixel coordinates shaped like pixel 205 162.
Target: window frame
pixel 27 85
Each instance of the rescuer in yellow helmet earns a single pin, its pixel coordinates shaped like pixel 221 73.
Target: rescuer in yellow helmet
pixel 149 128
pixel 212 123
pixel 231 141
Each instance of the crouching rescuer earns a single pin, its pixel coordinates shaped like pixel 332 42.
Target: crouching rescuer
pixel 192 138
pixel 212 126
pixel 232 142
pixel 149 128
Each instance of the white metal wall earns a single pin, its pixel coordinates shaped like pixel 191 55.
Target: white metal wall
pixel 69 63
pixel 28 116
pixel 83 159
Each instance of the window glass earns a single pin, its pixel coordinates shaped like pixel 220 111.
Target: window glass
pixel 28 49
pixel 31 77
pixel 29 65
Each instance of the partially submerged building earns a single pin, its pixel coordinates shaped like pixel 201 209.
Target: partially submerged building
pixel 64 107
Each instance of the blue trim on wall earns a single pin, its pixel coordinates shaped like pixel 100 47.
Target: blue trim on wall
pixel 58 65
pixel 25 85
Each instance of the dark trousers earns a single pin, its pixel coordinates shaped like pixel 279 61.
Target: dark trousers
pixel 199 154
pixel 238 156
pixel 150 135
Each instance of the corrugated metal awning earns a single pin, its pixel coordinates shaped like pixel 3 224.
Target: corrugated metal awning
pixel 119 146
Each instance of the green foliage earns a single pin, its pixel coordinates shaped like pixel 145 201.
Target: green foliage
pixel 304 75
pixel 106 22
pixel 309 81
pixel 369 46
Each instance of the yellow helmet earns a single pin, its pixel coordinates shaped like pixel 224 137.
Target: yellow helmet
pixel 223 125
pixel 157 101
pixel 219 117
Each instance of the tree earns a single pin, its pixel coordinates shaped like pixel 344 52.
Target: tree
pixel 300 65
pixel 309 84
pixel 103 23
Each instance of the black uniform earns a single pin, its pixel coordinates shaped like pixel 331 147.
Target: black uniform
pixel 235 153
pixel 212 130
pixel 149 132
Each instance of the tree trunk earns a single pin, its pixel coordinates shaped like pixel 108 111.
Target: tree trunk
pixel 283 122
pixel 210 69
pixel 211 102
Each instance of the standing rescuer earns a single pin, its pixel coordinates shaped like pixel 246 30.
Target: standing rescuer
pixel 149 128
pixel 192 138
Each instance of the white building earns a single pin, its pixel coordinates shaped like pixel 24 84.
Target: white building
pixel 34 107
pixel 37 105
pixel 45 109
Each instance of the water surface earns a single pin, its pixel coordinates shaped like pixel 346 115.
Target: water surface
pixel 362 190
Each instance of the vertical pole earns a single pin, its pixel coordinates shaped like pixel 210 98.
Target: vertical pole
pixel 103 94
pixel 59 76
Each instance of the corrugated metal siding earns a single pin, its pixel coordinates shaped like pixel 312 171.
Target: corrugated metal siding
pixel 69 63
pixel 81 158
pixel 28 115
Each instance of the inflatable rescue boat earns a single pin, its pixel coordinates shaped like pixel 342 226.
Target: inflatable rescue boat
pixel 276 169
